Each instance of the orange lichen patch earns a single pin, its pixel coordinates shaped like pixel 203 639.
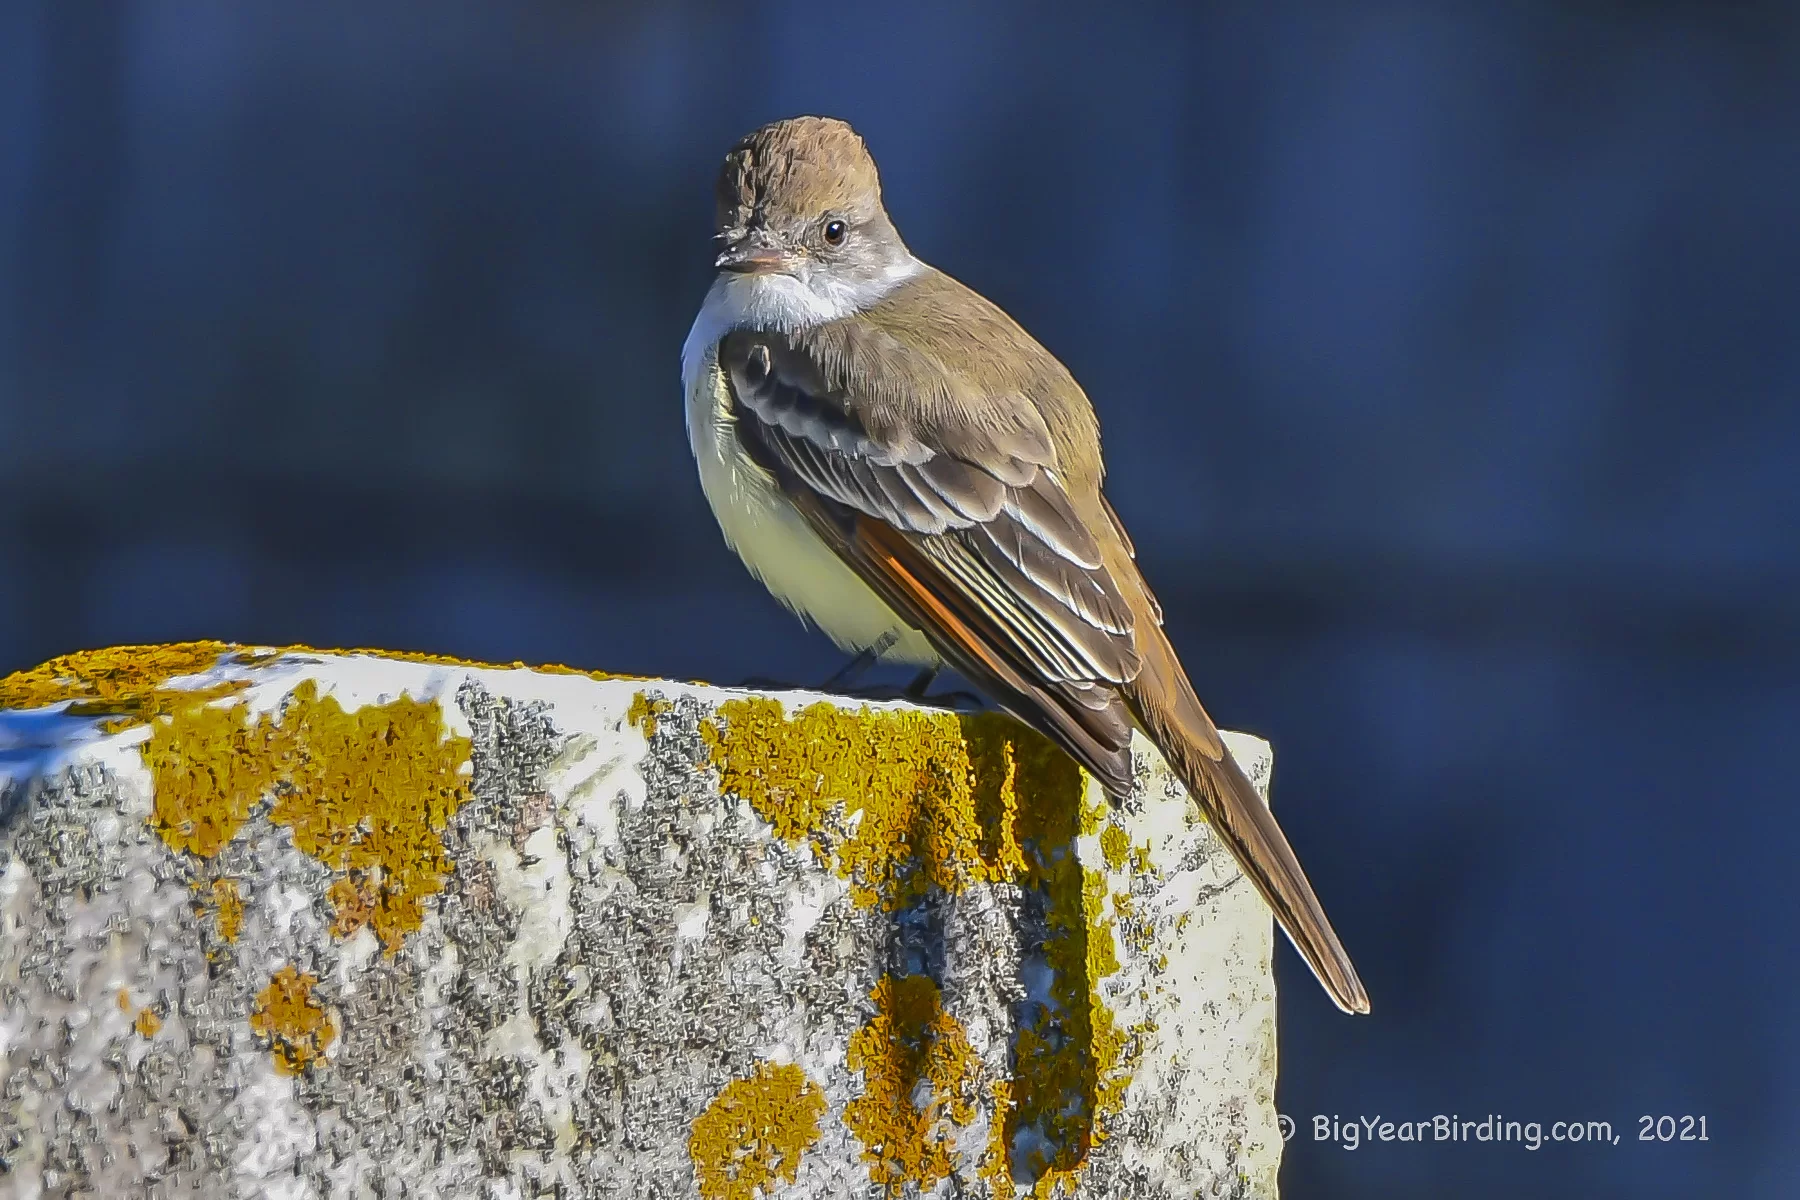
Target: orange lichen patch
pixel 644 711
pixel 754 1132
pixel 910 1041
pixel 147 1023
pixel 228 908
pixel 934 800
pixel 296 1026
pixel 124 1000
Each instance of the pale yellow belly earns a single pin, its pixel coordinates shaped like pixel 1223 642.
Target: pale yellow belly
pixel 774 540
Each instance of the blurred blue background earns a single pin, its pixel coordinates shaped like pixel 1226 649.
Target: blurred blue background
pixel 1447 364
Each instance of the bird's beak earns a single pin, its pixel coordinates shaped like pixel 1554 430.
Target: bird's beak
pixel 754 255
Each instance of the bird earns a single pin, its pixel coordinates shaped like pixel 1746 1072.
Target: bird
pixel 908 470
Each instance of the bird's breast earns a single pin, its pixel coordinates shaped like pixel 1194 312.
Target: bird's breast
pixel 768 532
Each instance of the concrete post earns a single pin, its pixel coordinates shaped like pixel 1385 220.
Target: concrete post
pixel 296 923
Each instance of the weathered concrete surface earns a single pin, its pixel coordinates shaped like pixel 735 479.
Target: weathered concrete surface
pixel 304 924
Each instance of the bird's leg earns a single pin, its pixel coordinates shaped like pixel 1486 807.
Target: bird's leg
pixel 850 672
pixel 922 683
pixel 858 666
pixel 963 702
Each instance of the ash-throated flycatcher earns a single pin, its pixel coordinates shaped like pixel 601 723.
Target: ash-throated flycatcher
pixel 903 466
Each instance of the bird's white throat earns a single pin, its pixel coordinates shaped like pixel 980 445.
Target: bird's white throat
pixel 786 302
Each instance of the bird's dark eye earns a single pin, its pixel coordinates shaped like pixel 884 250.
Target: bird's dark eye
pixel 834 233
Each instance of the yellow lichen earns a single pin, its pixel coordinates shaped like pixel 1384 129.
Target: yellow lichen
pixel 754 1132
pixel 367 793
pixel 1070 1060
pixel 903 778
pixel 1094 810
pixel 147 1022
pixel 1115 847
pixel 210 768
pixel 909 1042
pixel 996 1167
pixel 901 802
pixel 127 685
pixel 370 792
pixel 228 908
pixel 124 1000
pixel 128 682
pixel 644 711
pixel 212 765
pixel 296 1026
pixel 353 901
pixel 997 800
pixel 112 680
pixel 1136 928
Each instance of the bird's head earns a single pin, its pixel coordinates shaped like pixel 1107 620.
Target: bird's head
pixel 800 200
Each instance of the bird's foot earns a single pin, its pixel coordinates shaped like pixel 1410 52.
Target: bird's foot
pixel 918 691
pixel 965 703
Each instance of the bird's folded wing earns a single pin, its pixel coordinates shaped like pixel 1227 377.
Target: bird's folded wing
pixel 955 514
pixel 964 527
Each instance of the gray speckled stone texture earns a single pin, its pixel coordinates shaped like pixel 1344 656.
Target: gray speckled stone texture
pixel 617 943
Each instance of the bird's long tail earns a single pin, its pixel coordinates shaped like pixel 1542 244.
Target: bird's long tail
pixel 1163 702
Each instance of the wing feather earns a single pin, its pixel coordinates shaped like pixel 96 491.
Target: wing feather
pixel 977 544
pixel 1001 530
